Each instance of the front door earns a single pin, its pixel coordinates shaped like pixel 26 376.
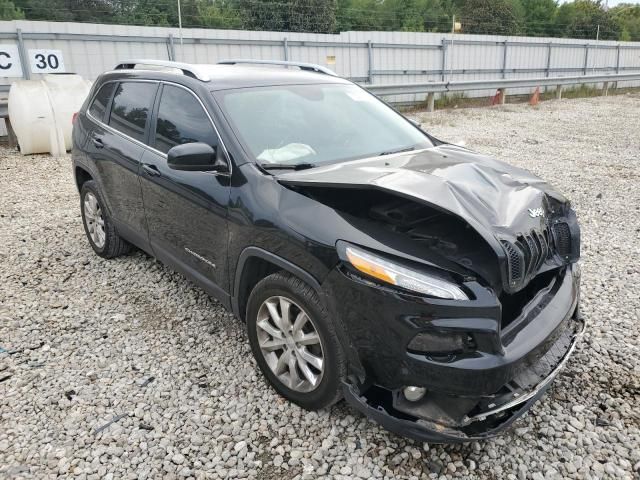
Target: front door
pixel 186 211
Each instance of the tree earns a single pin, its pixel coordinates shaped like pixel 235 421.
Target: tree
pixel 358 15
pixel 492 17
pixel 220 14
pixel 390 15
pixel 627 16
pixel 414 15
pixel 97 11
pixel 8 11
pixel 289 15
pixel 264 14
pixel 312 16
pixel 141 12
pixel 581 18
pixel 539 17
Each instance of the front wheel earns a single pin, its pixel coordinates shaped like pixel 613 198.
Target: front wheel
pixel 294 341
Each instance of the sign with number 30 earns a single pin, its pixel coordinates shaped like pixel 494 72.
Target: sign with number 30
pixel 46 61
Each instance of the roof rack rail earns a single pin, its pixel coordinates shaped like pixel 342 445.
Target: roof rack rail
pixel 311 67
pixel 187 69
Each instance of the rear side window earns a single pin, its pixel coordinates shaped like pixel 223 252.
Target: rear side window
pixel 181 119
pixel 130 108
pixel 100 101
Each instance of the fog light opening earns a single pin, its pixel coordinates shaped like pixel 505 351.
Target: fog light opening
pixel 413 394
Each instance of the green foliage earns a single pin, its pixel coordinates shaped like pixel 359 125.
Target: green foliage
pixel 141 12
pixel 312 16
pixel 67 10
pixel 358 15
pixel 220 14
pixel 577 19
pixel 501 17
pixel 539 17
pixel 628 17
pixel 291 15
pixel 580 19
pixel 9 11
pixel 394 15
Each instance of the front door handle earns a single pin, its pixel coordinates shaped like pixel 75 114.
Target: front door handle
pixel 97 141
pixel 151 170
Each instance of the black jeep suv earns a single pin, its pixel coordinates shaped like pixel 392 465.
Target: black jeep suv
pixel 435 289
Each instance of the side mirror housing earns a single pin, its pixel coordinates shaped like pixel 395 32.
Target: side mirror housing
pixel 195 157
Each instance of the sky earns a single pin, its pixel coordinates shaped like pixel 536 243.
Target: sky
pixel 613 3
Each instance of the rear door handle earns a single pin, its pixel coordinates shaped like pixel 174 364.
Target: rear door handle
pixel 150 170
pixel 97 141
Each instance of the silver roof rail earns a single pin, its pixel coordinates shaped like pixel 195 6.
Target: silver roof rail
pixel 311 67
pixel 188 69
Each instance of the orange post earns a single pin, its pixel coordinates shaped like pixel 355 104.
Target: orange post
pixel 498 98
pixel 535 98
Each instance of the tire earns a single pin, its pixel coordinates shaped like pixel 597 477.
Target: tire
pixel 108 244
pixel 328 389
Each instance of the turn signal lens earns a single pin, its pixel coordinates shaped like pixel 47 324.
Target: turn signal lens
pixel 403 277
pixel 365 265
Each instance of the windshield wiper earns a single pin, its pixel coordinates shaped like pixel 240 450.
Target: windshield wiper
pixel 400 150
pixel 287 166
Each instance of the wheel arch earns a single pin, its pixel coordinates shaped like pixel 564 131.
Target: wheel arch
pixel 82 176
pixel 253 265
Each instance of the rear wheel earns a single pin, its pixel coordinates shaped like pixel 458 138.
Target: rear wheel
pixel 100 231
pixel 294 342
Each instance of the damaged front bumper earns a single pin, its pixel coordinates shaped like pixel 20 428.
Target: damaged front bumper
pixel 490 414
pixel 470 395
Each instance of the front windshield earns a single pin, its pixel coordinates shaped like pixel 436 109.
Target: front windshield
pixel 316 124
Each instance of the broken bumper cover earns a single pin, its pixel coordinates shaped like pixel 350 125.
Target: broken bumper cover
pixel 489 416
pixel 471 395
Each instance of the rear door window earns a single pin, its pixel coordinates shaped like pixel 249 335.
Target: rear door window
pixel 181 119
pixel 101 100
pixel 130 108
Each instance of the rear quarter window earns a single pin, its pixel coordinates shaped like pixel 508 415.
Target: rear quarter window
pixel 101 100
pixel 130 108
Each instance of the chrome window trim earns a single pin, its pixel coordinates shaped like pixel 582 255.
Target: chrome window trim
pixel 148 147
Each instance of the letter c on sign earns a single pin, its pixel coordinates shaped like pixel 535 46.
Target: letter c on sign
pixel 8 65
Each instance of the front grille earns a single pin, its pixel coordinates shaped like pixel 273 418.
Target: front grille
pixel 536 249
pixel 514 262
pixel 562 238
pixel 526 255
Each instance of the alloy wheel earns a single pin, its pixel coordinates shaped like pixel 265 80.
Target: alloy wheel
pixel 290 344
pixel 94 220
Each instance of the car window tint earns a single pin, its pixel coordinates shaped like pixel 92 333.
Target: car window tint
pixel 130 108
pixel 181 119
pixel 100 101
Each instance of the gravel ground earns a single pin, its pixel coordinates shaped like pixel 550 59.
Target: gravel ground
pixel 123 369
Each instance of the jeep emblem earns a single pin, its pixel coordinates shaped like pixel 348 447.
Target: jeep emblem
pixel 536 212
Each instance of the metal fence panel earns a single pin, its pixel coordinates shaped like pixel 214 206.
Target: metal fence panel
pixel 366 57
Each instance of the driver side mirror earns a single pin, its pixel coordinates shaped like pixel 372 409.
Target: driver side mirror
pixel 195 157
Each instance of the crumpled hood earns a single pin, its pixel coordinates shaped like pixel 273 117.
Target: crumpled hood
pixel 491 196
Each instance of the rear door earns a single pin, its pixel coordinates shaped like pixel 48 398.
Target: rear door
pixel 116 145
pixel 186 211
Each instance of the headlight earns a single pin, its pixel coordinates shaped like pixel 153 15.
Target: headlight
pixel 403 277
